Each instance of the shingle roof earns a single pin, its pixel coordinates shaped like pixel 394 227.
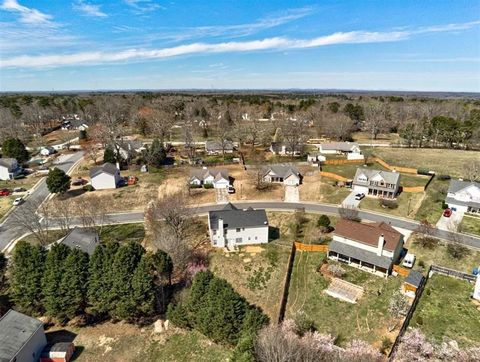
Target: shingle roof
pixel 282 170
pixel 457 185
pixel 389 176
pixel 340 146
pixel 202 173
pixel 369 233
pixel 217 145
pixel 84 239
pixel 360 254
pixel 7 162
pixel 129 145
pixel 15 330
pixel 234 217
pixel 109 168
pixel 414 278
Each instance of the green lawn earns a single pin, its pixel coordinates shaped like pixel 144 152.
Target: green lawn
pixel 470 224
pixel 431 208
pixel 367 320
pixel 408 180
pixel 332 194
pixel 348 170
pixel 407 204
pixel 123 233
pixel 446 310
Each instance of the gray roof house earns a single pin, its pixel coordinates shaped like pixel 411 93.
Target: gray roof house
pixel 9 168
pixel 22 338
pixel 377 183
pixel 215 147
pixel 339 147
pixel 106 176
pixel 283 173
pixel 129 148
pixel 217 177
pixel 283 149
pixel 85 239
pixel 464 196
pixel 231 227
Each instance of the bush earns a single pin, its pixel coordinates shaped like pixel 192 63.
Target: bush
pixel 390 204
pixel 421 264
pixel 457 251
pixel 443 177
pixel 427 242
pixel 444 205
pixel 323 220
pixel 423 171
pixel 193 186
pixel 303 323
pixel 386 345
pixel 88 188
pixel 419 320
pixel 208 186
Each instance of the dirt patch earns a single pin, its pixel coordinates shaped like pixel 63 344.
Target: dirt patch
pixel 253 249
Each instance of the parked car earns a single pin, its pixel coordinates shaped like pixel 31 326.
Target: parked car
pixel 79 182
pixel 19 189
pixel 4 192
pixel 359 196
pixel 447 212
pixel 231 189
pixel 409 260
pixel 17 201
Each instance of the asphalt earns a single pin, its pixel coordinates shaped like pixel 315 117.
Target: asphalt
pixel 9 229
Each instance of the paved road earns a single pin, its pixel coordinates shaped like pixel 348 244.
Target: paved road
pixel 312 208
pixel 10 230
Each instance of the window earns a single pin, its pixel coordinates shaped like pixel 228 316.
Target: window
pixel 255 238
pixel 239 229
pixel 214 232
pixel 238 240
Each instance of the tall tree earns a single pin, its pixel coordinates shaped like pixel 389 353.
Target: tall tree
pixel 14 148
pixel 58 181
pixel 143 288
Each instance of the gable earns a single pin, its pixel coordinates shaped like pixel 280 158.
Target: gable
pixel 362 177
pixel 378 178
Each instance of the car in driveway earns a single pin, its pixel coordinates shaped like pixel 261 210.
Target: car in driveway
pixel 4 192
pixel 447 212
pixel 409 260
pixel 231 189
pixel 359 196
pixel 79 182
pixel 17 201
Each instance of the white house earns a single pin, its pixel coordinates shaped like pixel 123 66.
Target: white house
pixel 47 151
pixel 463 196
pixel 217 148
pixel 376 183
pixel 22 338
pixel 106 176
pixel 9 168
pixel 350 149
pixel 373 247
pixel 231 227
pixel 283 149
pixel 285 174
pixel 316 157
pixel 216 177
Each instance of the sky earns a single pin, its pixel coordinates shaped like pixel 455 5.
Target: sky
pixel 59 45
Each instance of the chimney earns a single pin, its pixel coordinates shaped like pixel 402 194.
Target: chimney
pixel 381 241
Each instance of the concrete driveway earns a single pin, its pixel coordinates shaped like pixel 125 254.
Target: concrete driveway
pixel 450 223
pixel 221 196
pixel 350 200
pixel 292 194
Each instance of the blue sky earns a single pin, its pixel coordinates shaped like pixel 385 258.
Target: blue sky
pixel 154 44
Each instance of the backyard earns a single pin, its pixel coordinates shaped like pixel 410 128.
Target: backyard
pixel 446 310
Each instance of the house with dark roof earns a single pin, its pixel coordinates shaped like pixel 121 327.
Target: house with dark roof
pixel 374 247
pixel 106 176
pixel 284 149
pixel 218 148
pixel 463 196
pixel 9 168
pixel 385 184
pixel 282 173
pixel 128 149
pixel 85 239
pixel 217 177
pixel 231 227
pixel 22 338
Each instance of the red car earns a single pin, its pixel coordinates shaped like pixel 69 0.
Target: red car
pixel 447 212
pixel 4 192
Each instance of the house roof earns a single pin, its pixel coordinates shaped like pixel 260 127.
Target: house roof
pixel 217 145
pixel 360 254
pixel 339 146
pixel 282 170
pixel 15 331
pixel 129 145
pixel 389 176
pixel 57 349
pixel 235 218
pixel 107 167
pixel 458 185
pixel 203 173
pixel 414 278
pixel 369 233
pixel 277 147
pixel 7 162
pixel 84 239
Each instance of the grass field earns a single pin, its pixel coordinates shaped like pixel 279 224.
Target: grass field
pixel 348 170
pixel 470 224
pixel 123 233
pixel 408 204
pixel 446 310
pixel 367 320
pixel 439 256
pixel 431 208
pixel 444 161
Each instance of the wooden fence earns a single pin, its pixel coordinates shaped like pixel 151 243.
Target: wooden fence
pixel 401 271
pixel 342 162
pixel 311 247
pixel 286 285
pixel 452 273
pixel 391 168
pixel 333 175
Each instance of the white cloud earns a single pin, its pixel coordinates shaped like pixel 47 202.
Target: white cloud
pixel 143 6
pixel 276 43
pixel 89 9
pixel 27 15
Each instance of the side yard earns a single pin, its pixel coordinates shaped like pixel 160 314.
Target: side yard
pixel 470 224
pixel 431 208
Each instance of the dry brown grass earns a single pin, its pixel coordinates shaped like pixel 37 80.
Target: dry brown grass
pixel 317 188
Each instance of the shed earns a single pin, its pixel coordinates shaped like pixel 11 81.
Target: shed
pixel 412 282
pixel 58 352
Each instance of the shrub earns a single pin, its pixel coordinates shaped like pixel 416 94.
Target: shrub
pixel 390 204
pixel 208 186
pixel 427 242
pixel 421 264
pixel 419 320
pixel 88 188
pixel 386 345
pixel 336 270
pixel 323 220
pixel 457 251
pixel 444 205
pixel 193 186
pixel 303 323
pixel 423 171
pixel 443 177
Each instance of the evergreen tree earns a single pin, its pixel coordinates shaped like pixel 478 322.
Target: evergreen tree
pixel 73 285
pixel 82 135
pixel 58 181
pixel 13 147
pixel 143 288
pixel 52 277
pixel 109 156
pixel 163 266
pixel 157 153
pixel 26 275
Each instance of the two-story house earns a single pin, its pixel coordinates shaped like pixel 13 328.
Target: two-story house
pixel 9 168
pixel 373 247
pixel 231 227
pixel 377 183
pixel 218 178
pixel 463 196
pixel 285 174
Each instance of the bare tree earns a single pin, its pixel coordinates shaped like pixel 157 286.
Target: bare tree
pixel 62 210
pixel 339 125
pixel 294 134
pixel 92 211
pixel 92 150
pixel 349 212
pixel 471 170
pixel 34 216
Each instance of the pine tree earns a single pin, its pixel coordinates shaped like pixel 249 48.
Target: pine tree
pixel 14 148
pixel 109 156
pixel 157 153
pixel 163 266
pixel 143 288
pixel 58 181
pixel 73 285
pixel 26 275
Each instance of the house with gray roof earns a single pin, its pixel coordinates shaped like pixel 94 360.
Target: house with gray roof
pixel 106 176
pixel 463 196
pixel 231 227
pixel 350 149
pixel 285 149
pixel 9 168
pixel 282 173
pixel 128 149
pixel 85 239
pixel 22 338
pixel 385 184
pixel 218 178
pixel 218 147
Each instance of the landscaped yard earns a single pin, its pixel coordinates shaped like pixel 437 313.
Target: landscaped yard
pixel 470 224
pixel 446 310
pixel 431 208
pixel 367 320
pixel 438 255
pixel 408 204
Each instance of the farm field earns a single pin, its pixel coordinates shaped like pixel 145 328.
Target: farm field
pixel 446 310
pixel 367 320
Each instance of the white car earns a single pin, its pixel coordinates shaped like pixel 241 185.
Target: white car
pixel 17 201
pixel 409 260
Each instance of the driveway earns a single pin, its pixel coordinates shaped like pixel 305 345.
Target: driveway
pixel 350 200
pixel 450 223
pixel 221 196
pixel 292 194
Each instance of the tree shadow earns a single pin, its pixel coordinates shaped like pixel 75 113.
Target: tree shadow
pixel 70 194
pixel 273 233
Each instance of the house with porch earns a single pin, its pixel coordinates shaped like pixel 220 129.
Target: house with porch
pixel 385 184
pixel 9 169
pixel 373 247
pixel 231 227
pixel 282 173
pixel 218 178
pixel 464 196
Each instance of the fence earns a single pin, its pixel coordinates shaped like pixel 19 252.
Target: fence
pixel 401 271
pixel 311 247
pixel 333 175
pixel 452 273
pixel 414 189
pixel 342 162
pixel 286 285
pixel 391 168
